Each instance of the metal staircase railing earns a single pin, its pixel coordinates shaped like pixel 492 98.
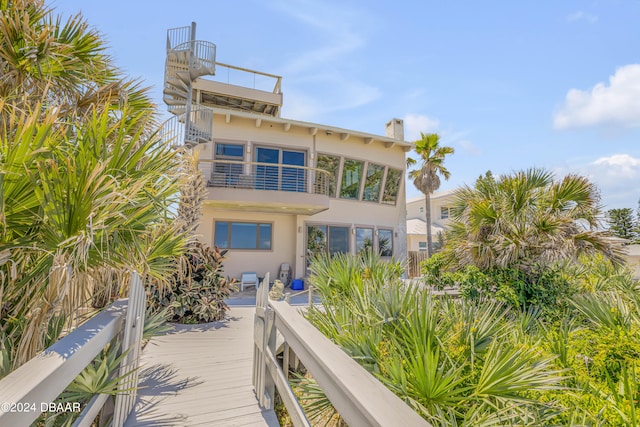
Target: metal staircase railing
pixel 187 59
pixel 197 130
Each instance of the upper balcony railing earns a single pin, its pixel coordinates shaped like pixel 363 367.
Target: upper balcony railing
pixel 249 78
pixel 266 176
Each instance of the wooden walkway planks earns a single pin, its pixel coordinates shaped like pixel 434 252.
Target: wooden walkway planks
pixel 200 375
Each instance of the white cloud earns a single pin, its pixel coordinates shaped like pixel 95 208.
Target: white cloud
pixel 582 16
pixel 617 176
pixel 334 25
pixel 319 80
pixel 348 94
pixel 416 123
pixel 619 166
pixel 615 104
pixel 470 147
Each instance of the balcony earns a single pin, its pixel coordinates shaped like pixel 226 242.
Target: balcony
pixel 266 187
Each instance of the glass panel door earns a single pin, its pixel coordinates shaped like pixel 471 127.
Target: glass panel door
pixel 267 176
pixel 293 179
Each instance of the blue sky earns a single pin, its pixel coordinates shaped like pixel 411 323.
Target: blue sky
pixel 509 84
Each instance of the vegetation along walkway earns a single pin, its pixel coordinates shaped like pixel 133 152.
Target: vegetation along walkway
pixel 201 375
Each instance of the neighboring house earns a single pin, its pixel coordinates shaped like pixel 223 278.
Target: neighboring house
pixel 632 257
pixel 281 190
pixel 441 203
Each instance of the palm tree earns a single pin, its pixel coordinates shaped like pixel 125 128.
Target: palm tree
pixel 426 177
pixel 526 219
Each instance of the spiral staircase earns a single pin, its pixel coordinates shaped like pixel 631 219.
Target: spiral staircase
pixel 187 60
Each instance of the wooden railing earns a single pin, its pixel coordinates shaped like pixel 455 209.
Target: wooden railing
pixel 30 390
pixel 359 398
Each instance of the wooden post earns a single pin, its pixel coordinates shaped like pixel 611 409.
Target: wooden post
pixel 260 327
pixel 131 343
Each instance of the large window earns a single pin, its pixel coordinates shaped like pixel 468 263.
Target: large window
pixel 391 186
pixel 338 239
pixel 351 178
pixel 445 212
pixel 385 242
pixel 364 239
pixel 316 241
pixel 326 239
pixel 226 173
pixel 332 165
pixel 278 176
pixel 242 235
pixel 372 182
pixel 332 239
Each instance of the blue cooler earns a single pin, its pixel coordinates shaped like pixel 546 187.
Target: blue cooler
pixel 297 285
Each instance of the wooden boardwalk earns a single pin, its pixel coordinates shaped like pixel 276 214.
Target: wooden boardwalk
pixel 200 375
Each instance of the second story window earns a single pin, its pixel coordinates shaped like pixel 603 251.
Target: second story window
pixel 225 171
pixel 280 169
pixel 372 182
pixel 391 186
pixel 445 212
pixel 332 165
pixel 351 178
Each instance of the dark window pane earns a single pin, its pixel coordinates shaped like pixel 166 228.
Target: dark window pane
pixel 293 158
pixel 373 182
pixel 391 187
pixel 351 178
pixel 221 238
pixel 267 155
pixel 293 179
pixel 267 176
pixel 338 239
pixel 385 242
pixel 230 150
pixel 243 235
pixel 364 239
pixel 264 240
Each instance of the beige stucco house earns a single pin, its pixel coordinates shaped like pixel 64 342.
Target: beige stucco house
pixel 281 190
pixel 441 203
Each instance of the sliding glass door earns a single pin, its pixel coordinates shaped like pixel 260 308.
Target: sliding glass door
pixel 278 176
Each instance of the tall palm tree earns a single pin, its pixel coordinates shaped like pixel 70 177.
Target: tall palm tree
pixel 426 177
pixel 527 218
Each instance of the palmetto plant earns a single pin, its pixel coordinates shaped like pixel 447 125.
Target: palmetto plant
pixel 454 362
pixel 86 183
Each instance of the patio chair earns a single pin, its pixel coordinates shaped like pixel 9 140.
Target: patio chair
pixel 248 279
pixel 285 274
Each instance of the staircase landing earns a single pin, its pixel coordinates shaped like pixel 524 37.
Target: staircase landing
pixel 200 375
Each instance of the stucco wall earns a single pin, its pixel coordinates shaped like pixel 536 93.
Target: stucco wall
pixel 289 230
pixel 283 241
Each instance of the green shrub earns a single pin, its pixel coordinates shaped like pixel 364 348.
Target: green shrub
pixel 199 288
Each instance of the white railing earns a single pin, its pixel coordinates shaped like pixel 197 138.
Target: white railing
pixel 265 176
pixel 245 77
pixel 359 398
pixel 27 392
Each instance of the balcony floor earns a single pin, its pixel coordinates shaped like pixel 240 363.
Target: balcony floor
pixel 284 202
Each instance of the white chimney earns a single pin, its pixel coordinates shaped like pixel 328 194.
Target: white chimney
pixel 395 129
